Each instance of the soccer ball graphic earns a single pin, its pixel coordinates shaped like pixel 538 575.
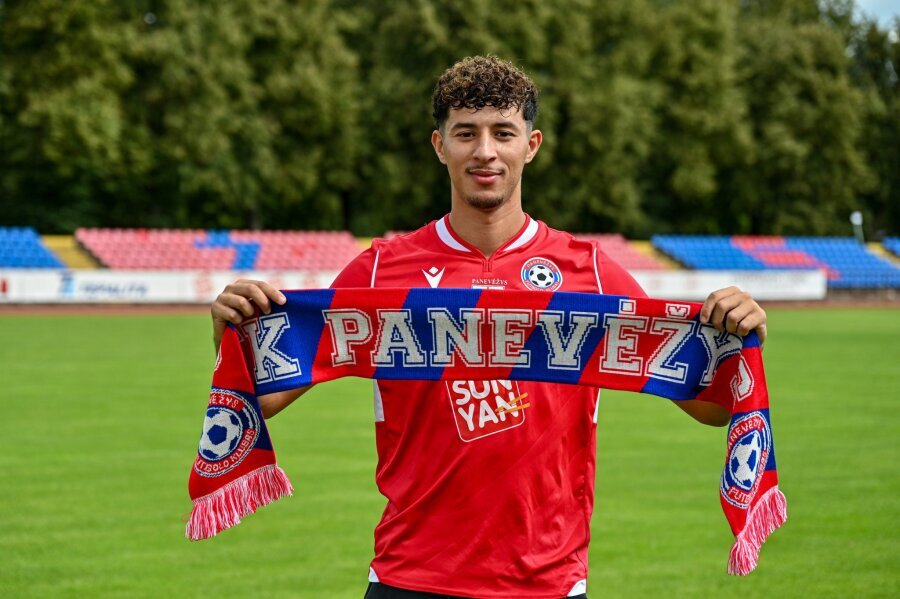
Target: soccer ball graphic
pixel 744 460
pixel 541 276
pixel 221 433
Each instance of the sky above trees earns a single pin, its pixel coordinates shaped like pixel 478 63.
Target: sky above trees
pixel 883 10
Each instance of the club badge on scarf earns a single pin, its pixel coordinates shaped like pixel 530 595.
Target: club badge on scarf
pixel 649 346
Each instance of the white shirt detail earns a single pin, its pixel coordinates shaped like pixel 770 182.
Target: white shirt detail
pixel 372 576
pixel 433 275
pixel 597 405
pixel 597 272
pixel 445 236
pixel 580 588
pixel 526 236
pixel 376 395
pixel 379 405
pixel 374 268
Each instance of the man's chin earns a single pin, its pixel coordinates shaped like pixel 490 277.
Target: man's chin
pixel 486 203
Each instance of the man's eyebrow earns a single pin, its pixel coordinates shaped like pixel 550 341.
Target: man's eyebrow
pixel 500 125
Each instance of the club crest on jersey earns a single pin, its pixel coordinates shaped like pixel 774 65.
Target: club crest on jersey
pixel 749 444
pixel 540 274
pixel 230 431
pixel 482 408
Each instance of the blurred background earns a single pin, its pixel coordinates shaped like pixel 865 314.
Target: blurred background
pixel 751 118
pixel 151 151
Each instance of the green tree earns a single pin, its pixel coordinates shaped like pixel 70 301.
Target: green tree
pixel 403 48
pixel 703 140
pixel 806 122
pixel 64 128
pixel 596 115
pixel 604 109
pixel 875 69
pixel 745 116
pixel 256 105
pixel 178 113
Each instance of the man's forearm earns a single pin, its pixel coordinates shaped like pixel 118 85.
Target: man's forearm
pixel 705 412
pixel 273 403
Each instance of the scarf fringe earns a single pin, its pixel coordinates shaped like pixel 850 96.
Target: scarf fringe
pixel 765 517
pixel 226 507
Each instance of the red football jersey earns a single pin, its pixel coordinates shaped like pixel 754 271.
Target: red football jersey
pixel 489 484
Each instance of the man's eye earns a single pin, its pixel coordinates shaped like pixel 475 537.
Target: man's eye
pixel 504 133
pixel 465 134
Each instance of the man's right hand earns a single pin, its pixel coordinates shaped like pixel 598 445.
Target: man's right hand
pixel 236 302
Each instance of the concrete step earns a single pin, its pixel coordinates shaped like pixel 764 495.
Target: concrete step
pixel 646 248
pixel 68 250
pixel 879 250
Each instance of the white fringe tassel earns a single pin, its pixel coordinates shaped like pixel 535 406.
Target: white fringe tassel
pixel 766 516
pixel 225 507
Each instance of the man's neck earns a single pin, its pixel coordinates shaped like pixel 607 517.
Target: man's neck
pixel 487 230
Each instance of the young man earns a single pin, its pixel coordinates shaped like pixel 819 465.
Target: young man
pixel 489 484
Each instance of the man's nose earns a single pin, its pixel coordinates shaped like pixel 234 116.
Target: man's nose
pixel 486 148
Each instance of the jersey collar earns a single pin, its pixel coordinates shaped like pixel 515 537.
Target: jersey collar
pixel 449 237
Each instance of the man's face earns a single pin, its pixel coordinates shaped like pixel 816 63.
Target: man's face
pixel 485 151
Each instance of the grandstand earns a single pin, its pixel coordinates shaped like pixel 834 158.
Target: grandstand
pixel 892 244
pixel 21 247
pixel 622 251
pixel 171 249
pixel 848 263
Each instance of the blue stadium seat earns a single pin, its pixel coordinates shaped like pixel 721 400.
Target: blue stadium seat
pixel 851 263
pixel 245 252
pixel 892 244
pixel 706 252
pixel 21 247
pixel 848 263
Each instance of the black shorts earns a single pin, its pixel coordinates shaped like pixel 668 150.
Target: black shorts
pixel 378 590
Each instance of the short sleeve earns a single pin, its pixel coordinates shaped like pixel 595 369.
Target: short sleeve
pixel 615 280
pixel 359 272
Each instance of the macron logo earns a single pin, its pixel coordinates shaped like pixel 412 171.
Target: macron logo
pixel 433 275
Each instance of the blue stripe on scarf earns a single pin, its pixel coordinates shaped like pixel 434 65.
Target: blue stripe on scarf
pixel 537 343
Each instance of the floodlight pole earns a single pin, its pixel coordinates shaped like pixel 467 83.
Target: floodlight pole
pixel 856 219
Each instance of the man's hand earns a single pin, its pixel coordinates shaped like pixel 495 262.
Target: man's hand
pixel 236 301
pixel 733 310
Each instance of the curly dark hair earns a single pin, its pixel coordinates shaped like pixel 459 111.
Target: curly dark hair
pixel 479 81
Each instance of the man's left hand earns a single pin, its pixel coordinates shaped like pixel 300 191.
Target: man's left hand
pixel 733 310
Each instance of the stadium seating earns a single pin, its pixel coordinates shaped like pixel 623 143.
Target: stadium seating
pixel 706 252
pixel 21 247
pixel 169 249
pixel 620 250
pixel 848 263
pixel 854 265
pixel 892 244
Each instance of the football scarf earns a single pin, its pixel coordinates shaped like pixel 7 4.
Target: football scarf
pixel 649 346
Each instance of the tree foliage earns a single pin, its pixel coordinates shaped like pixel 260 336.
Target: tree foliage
pixel 709 116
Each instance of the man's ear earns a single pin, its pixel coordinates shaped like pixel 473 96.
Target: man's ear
pixel 437 142
pixel 535 138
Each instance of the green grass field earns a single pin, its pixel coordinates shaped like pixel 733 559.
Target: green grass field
pixel 102 416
